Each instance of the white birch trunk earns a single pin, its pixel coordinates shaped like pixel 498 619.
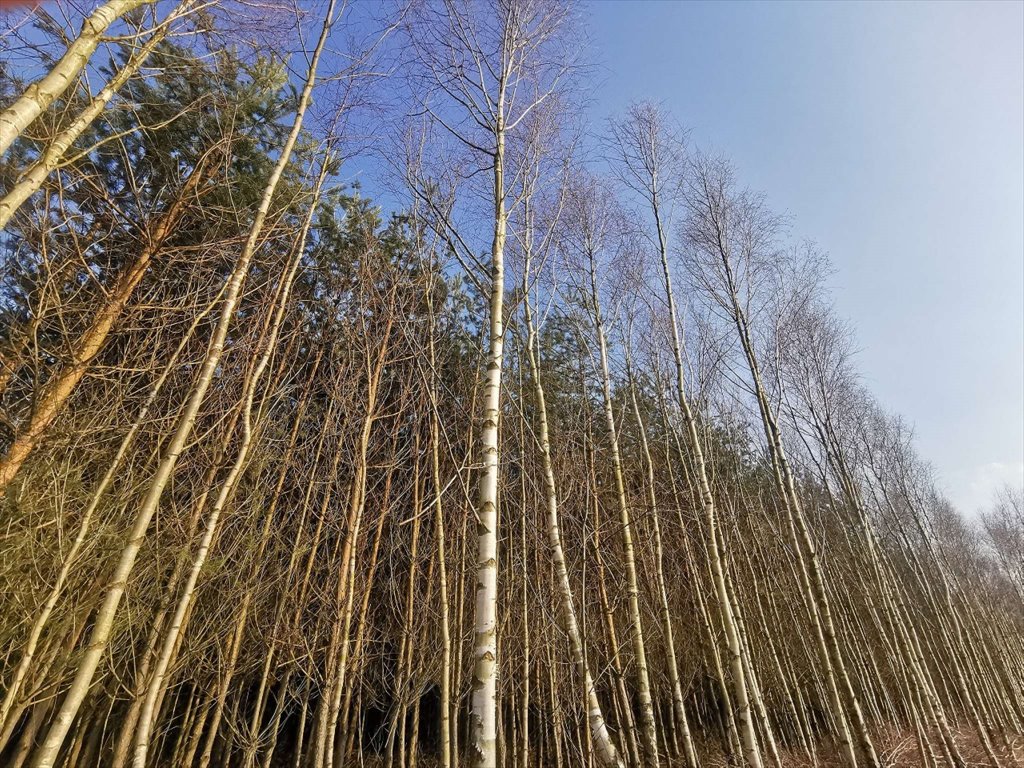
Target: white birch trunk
pixel 33 178
pixel 484 704
pixel 99 637
pixel 648 731
pixel 604 746
pixel 157 682
pixel 745 722
pixel 42 93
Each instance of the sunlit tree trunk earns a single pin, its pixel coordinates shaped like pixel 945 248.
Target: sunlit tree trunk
pixel 104 621
pixel 711 230
pixel 54 394
pixel 605 748
pixel 623 707
pixel 84 526
pixel 483 719
pixel 171 638
pixel 32 178
pixel 648 729
pixel 445 704
pixel 678 703
pixel 647 155
pixel 339 649
pixel 15 118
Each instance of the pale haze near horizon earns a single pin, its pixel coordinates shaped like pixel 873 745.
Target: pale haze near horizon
pixel 892 134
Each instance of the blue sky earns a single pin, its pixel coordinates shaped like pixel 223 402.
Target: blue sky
pixel 893 135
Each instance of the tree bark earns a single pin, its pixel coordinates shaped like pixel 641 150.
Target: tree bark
pixel 32 179
pixel 42 93
pixel 104 622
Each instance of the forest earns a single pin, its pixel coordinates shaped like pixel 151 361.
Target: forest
pixel 363 403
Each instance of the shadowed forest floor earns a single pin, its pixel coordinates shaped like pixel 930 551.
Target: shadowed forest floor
pixel 899 749
pixel 896 749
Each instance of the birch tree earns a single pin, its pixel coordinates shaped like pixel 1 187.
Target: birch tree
pixel 20 114
pixel 484 70
pixel 599 244
pixel 648 158
pixel 730 237
pixel 536 241
pixel 100 633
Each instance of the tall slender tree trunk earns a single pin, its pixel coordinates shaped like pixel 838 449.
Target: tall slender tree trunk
pixel 104 622
pixel 53 396
pixel 340 644
pixel 15 118
pixel 157 682
pixel 836 669
pixel 648 730
pixel 905 635
pixel 84 526
pixel 681 721
pixel 624 709
pixel 484 709
pixel 738 732
pixel 397 724
pixel 444 684
pixel 361 627
pixel 605 747
pixel 32 178
pixel 745 724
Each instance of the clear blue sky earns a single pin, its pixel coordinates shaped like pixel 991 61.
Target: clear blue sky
pixel 893 134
